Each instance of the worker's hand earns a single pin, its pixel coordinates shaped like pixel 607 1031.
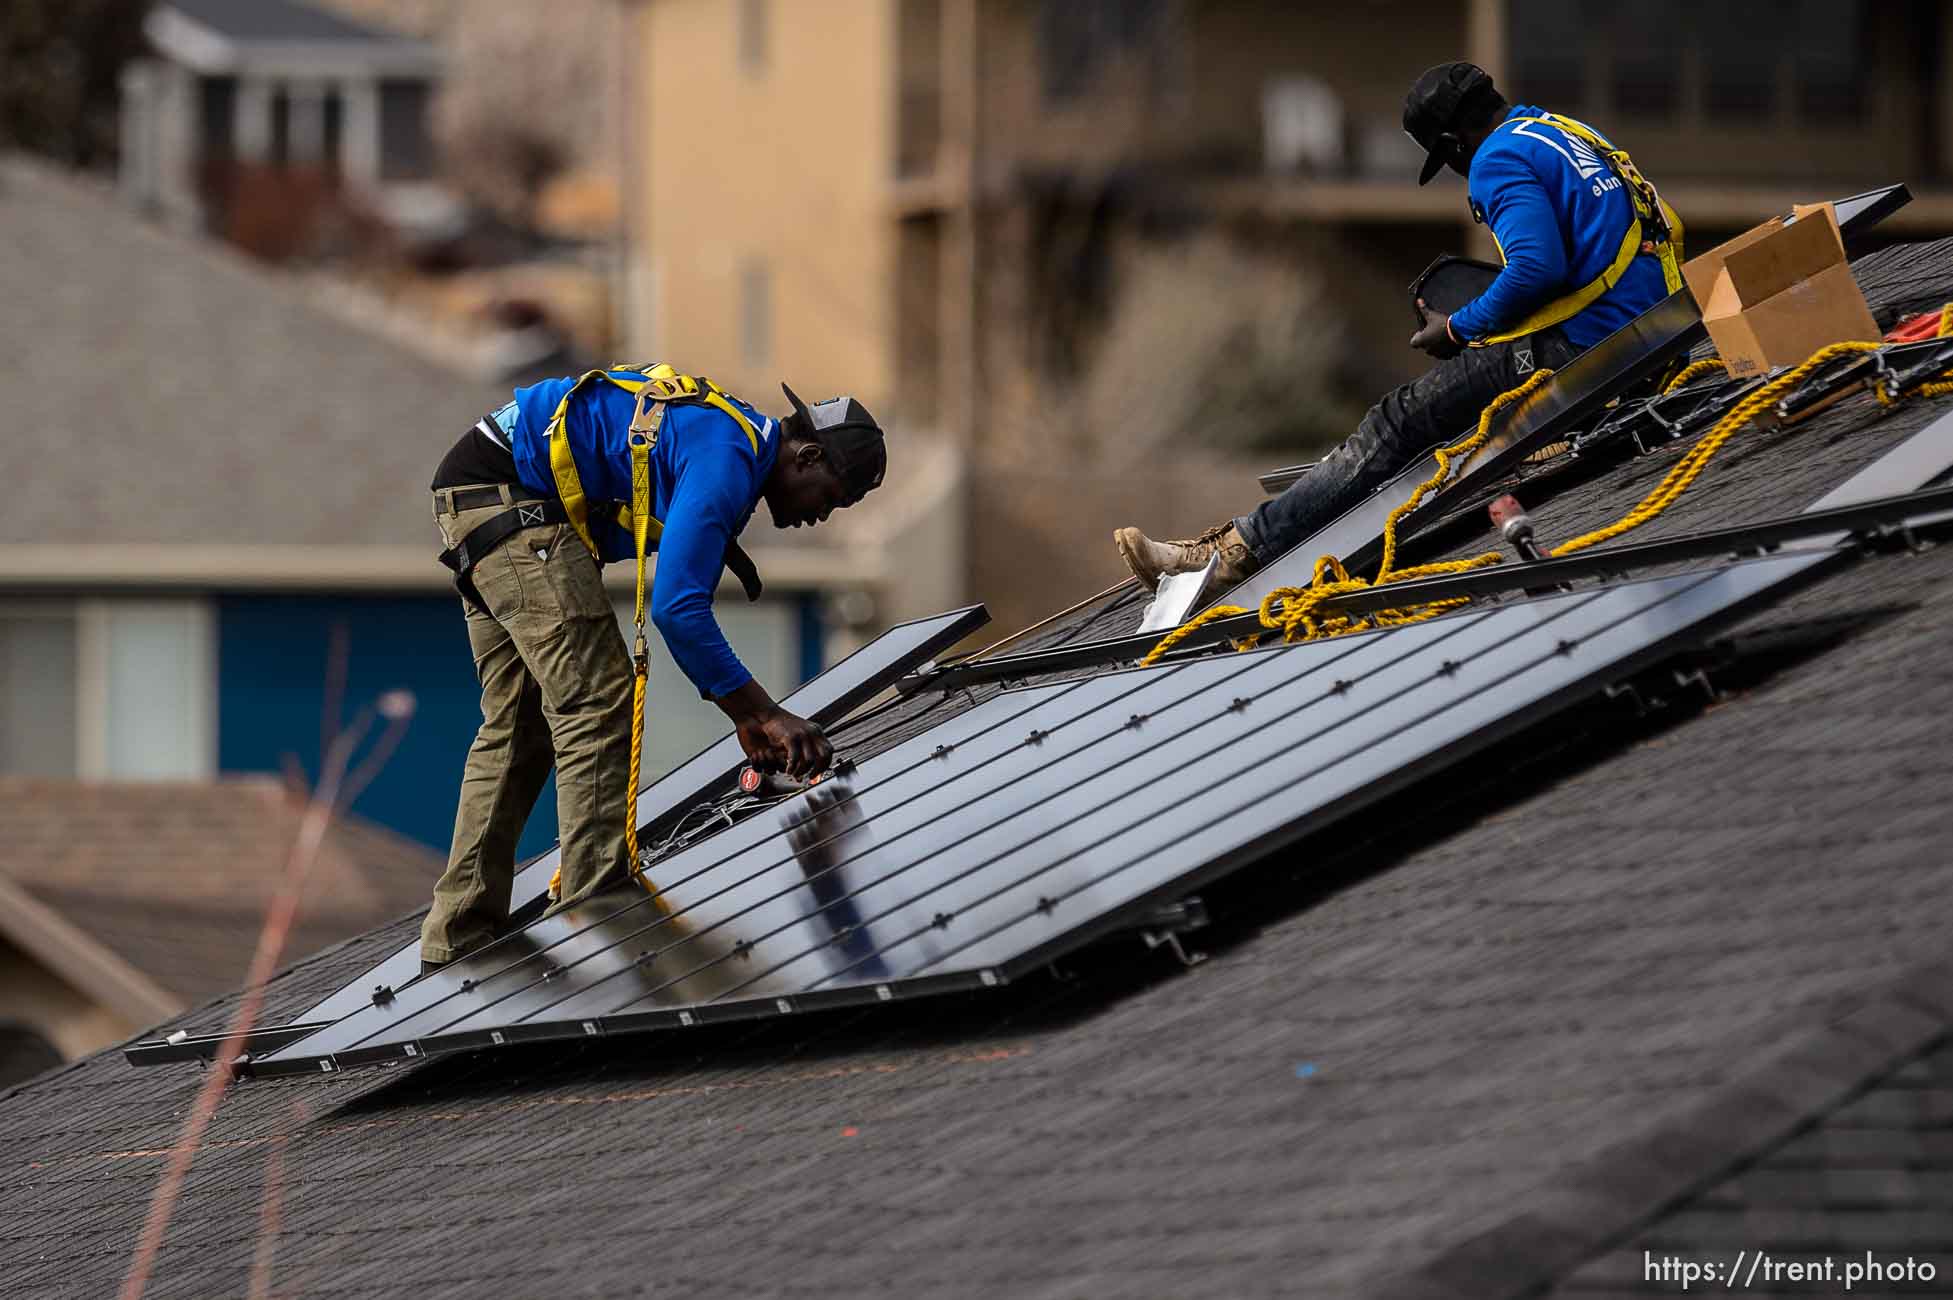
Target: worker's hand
pixel 779 741
pixel 1435 337
pixel 774 739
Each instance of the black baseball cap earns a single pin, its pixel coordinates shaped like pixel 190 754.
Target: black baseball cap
pixel 1440 101
pixel 850 437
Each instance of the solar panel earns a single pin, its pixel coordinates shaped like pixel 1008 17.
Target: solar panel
pixel 1047 817
pixel 1033 823
pixel 826 699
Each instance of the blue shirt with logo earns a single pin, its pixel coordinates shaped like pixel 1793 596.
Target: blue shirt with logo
pixel 705 481
pixel 1559 214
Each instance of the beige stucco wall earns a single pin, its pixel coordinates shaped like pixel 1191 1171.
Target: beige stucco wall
pixel 43 1001
pixel 781 170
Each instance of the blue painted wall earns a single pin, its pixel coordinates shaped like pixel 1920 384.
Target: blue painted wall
pixel 271 674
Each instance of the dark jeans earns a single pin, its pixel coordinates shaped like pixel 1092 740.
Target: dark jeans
pixel 1438 407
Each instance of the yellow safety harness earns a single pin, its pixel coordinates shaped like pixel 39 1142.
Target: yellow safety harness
pixel 656 387
pixel 1655 228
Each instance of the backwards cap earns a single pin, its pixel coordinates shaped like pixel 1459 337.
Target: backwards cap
pixel 851 438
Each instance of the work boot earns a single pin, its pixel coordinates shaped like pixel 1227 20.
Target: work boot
pixel 1150 560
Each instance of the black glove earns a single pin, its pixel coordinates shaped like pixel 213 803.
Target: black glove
pixel 1435 337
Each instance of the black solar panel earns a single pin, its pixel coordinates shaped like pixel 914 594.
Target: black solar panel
pixel 1033 823
pixel 826 699
pixel 1046 817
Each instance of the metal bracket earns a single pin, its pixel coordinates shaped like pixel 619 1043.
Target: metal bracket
pixel 1167 922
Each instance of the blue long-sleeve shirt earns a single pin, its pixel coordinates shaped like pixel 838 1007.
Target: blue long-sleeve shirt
pixel 705 481
pixel 1559 214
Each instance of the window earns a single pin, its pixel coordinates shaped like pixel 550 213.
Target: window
pixel 1832 59
pixel 107 689
pixel 1742 63
pixel 158 685
pixel 1741 73
pixel 1644 72
pixel 756 313
pixel 1550 39
pixel 406 148
pixel 1077 38
pixel 752 36
pixel 38 714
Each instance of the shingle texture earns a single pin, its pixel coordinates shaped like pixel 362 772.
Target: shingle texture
pixel 1408 1026
pixel 253 416
pixel 1873 1176
pixel 175 877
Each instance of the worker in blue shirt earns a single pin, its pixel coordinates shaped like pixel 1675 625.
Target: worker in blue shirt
pixel 1588 245
pixel 529 503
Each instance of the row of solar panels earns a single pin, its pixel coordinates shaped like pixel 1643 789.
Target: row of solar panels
pixel 1047 816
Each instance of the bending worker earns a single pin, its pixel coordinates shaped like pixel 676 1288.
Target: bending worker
pixel 529 502
pixel 1587 244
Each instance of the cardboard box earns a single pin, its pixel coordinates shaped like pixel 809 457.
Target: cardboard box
pixel 1774 295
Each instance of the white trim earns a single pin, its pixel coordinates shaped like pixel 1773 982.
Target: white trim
pixel 100 568
pixel 184 40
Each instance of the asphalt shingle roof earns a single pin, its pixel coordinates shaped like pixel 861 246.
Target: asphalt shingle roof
pixel 256 417
pixel 174 877
pixel 1540 967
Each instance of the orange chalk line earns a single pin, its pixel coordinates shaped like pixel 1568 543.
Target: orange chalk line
pixel 511 1107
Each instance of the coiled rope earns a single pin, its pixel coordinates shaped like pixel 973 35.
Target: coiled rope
pixel 1293 611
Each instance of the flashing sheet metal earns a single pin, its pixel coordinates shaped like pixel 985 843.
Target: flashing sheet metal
pixel 1034 823
pixel 825 698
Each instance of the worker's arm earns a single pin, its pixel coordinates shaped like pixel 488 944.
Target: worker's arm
pixel 713 492
pixel 1521 217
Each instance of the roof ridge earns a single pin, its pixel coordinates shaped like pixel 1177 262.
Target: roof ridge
pixel 1601 1203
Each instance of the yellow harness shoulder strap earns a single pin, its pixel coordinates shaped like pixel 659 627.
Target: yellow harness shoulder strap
pixel 661 385
pixel 1654 228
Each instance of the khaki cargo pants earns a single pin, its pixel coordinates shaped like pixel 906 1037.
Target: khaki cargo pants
pixel 555 688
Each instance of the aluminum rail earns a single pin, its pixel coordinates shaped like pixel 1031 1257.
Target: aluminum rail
pixel 1884 514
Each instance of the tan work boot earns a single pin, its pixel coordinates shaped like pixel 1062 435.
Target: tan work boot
pixel 1150 560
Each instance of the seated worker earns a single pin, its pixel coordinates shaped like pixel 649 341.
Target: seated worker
pixel 543 480
pixel 1587 246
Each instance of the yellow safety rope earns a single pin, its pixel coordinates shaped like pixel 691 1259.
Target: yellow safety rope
pixel 1292 610
pixel 1297 617
pixel 1694 371
pixel 641 444
pixel 1686 470
pixel 643 437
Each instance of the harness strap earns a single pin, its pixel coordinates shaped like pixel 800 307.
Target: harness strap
pixel 666 386
pixel 484 537
pixel 1654 228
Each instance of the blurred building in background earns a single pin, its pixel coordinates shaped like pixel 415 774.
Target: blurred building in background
pixel 1099 243
pixel 235 88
